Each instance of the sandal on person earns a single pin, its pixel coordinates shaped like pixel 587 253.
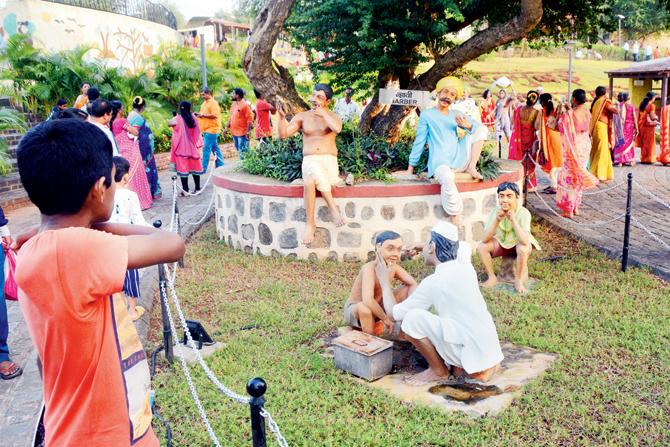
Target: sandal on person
pixel 10 370
pixel 139 311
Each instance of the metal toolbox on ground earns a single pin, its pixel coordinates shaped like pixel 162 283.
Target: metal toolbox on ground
pixel 363 355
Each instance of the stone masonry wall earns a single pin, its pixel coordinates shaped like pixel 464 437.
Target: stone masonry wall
pixel 273 226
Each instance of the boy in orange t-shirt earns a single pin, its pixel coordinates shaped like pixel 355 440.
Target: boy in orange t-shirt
pixel 70 270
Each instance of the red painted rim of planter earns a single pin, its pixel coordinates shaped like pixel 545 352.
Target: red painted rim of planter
pixel 390 190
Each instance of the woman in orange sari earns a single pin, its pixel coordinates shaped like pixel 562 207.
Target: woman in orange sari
pixel 550 139
pixel 647 125
pixel 665 136
pixel 527 120
pixel 601 136
pixel 487 107
pixel 575 139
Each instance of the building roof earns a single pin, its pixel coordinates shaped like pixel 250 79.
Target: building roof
pixel 656 68
pixel 203 21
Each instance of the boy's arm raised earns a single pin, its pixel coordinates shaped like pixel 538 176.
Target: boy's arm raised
pixel 147 246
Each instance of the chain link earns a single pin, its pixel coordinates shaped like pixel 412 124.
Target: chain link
pixel 187 373
pixel 594 224
pixel 274 428
pixel 209 177
pixel 652 235
pixel 204 216
pixel 651 195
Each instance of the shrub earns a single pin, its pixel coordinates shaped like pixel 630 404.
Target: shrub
pixel 364 156
pixel 162 139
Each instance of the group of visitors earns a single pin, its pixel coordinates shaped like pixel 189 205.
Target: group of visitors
pixel 578 146
pixel 648 54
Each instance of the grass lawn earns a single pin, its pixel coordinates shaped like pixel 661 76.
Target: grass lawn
pixel 610 385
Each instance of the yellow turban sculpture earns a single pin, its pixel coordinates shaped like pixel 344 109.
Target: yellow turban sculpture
pixel 451 82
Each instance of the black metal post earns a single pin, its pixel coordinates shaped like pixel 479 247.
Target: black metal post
pixel 525 176
pixel 499 146
pixel 162 290
pixel 626 231
pixel 256 387
pixel 177 222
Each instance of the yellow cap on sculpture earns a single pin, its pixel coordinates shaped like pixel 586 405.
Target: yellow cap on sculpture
pixel 451 82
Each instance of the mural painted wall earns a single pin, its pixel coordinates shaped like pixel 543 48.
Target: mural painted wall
pixel 116 39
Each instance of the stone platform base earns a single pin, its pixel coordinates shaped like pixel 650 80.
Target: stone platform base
pixel 520 367
pixel 267 217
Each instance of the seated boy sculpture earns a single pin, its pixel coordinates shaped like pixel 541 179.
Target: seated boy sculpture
pixel 70 272
pixel 508 232
pixel 364 308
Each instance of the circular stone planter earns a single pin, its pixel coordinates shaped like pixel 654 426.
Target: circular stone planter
pixel 265 216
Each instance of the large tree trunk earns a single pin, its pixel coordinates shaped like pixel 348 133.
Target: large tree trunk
pixel 387 120
pixel 268 77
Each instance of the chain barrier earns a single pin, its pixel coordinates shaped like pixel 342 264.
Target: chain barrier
pixel 651 195
pixel 652 235
pixel 204 216
pixel 584 192
pixel 187 373
pixel 274 428
pixel 594 224
pixel 202 188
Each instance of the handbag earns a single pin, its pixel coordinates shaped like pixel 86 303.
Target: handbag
pixel 11 289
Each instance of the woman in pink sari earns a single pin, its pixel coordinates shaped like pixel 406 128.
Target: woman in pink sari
pixel 576 144
pixel 186 146
pixel 126 139
pixel 624 153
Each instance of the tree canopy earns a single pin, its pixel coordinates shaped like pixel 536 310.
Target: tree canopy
pixel 642 17
pixel 363 39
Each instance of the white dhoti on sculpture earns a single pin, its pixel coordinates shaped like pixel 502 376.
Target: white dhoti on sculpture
pixel 461 329
pixel 449 195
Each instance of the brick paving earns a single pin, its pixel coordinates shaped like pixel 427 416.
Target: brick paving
pixel 608 238
pixel 21 398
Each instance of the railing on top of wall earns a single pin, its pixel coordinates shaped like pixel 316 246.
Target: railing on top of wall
pixel 141 9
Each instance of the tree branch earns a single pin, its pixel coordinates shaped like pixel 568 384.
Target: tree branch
pixel 266 76
pixel 481 43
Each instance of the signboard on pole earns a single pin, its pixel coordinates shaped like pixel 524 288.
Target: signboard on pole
pixel 406 98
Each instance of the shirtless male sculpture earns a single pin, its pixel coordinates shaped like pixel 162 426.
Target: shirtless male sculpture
pixel 507 232
pixel 319 127
pixel 460 337
pixel 364 308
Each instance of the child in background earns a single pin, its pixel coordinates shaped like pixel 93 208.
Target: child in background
pixel 95 375
pixel 127 210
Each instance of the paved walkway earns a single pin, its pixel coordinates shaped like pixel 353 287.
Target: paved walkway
pixel 652 213
pixel 21 398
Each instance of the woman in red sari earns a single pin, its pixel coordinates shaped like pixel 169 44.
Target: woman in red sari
pixel 487 107
pixel 647 125
pixel 527 120
pixel 126 139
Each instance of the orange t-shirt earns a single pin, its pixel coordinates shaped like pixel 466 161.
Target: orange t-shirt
pixel 240 118
pixel 210 125
pixel 95 377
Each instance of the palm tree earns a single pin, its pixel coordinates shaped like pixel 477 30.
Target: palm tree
pixel 10 119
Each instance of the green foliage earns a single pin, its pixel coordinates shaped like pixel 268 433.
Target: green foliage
pixel 10 119
pixel 608 387
pixel 642 17
pixel 162 139
pixel 368 42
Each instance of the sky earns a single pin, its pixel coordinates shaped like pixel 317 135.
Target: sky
pixel 193 8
